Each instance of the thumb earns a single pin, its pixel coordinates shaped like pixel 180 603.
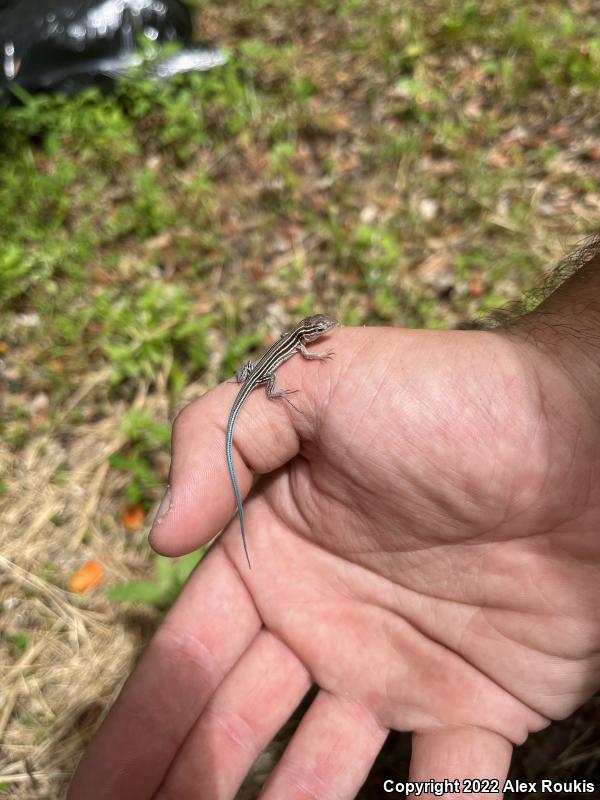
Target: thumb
pixel 199 500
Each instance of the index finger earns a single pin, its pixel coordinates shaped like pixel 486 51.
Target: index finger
pixel 185 662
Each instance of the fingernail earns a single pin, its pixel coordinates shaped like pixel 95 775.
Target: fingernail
pixel 163 509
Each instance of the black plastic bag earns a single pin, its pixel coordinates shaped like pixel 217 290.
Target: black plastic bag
pixel 57 45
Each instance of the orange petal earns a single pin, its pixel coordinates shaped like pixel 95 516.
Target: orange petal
pixel 87 577
pixel 133 517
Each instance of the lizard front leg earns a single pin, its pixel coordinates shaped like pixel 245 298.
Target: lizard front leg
pixel 320 356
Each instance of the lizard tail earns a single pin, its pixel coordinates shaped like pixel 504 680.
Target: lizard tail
pixel 238 497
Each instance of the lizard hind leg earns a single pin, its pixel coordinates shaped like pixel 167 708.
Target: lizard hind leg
pixel 242 374
pixel 283 393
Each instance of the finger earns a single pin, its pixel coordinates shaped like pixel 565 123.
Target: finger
pixel 461 754
pixel 201 499
pixel 330 754
pixel 186 660
pixel 243 715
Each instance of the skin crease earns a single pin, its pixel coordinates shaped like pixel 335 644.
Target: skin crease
pixel 424 547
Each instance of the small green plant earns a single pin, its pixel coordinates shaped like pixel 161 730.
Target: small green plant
pixel 19 641
pixel 145 437
pixel 169 577
pixel 137 335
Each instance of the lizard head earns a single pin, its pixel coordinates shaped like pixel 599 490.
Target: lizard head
pixel 314 327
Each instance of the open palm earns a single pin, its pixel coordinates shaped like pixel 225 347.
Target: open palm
pixel 424 549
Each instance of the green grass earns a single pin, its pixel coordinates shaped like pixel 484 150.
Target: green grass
pixel 142 227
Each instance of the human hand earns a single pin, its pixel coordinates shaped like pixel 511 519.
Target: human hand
pixel 424 549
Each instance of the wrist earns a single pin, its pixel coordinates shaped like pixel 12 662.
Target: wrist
pixel 565 328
